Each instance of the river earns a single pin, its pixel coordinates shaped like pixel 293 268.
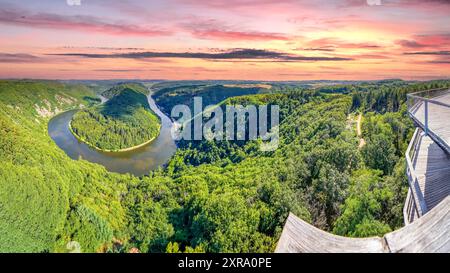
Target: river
pixel 138 162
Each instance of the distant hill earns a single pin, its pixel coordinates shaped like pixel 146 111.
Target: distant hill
pixel 169 96
pixel 116 90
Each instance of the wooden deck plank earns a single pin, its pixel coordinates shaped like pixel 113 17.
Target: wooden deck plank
pixel 301 237
pixel 430 233
pixel 432 167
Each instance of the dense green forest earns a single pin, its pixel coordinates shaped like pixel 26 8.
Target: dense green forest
pixel 168 95
pixel 119 88
pixel 219 196
pixel 124 121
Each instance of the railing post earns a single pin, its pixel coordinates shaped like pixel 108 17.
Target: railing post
pixel 426 117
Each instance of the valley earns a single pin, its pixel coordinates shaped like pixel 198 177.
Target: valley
pixel 206 196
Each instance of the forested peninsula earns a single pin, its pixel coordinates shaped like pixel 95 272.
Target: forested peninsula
pixel 124 122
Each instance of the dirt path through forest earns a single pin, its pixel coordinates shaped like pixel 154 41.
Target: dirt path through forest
pixel 362 142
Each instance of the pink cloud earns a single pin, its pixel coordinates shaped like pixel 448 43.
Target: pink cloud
pixel 78 23
pixel 233 4
pixel 215 30
pixel 338 43
pixel 237 35
pixel 410 44
pixel 439 6
pixel 17 58
pixel 434 41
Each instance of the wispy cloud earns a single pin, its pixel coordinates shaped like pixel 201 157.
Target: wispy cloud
pixel 440 57
pixel 118 70
pixel 248 54
pixel 222 34
pixel 212 29
pixel 21 17
pixel 339 43
pixel 242 39
pixel 237 4
pixel 428 53
pixel 326 49
pixel 429 41
pixel 410 44
pixel 17 58
pixel 104 48
pixel 440 61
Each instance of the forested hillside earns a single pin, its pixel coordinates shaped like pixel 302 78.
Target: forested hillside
pixel 46 199
pixel 124 121
pixel 118 88
pixel 213 196
pixel 167 95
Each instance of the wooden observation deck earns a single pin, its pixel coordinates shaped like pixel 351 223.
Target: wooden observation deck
pixel 427 206
pixel 428 154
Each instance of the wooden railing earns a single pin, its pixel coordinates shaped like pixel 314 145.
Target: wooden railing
pixel 409 209
pixel 414 188
pixel 425 99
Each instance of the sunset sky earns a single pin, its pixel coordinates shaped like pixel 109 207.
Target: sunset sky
pixel 225 39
